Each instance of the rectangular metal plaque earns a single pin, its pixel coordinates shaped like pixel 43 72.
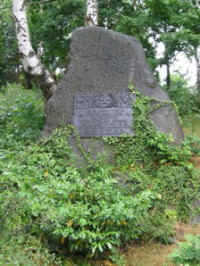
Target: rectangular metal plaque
pixel 103 114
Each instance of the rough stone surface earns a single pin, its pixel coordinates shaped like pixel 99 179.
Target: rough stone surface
pixel 103 61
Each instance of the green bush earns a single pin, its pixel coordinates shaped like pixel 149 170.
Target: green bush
pixel 181 94
pixel 148 186
pixel 21 115
pixel 152 160
pixel 188 253
pixel 194 143
pixel 90 211
pixel 25 250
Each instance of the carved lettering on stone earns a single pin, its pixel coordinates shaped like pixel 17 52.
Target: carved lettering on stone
pixel 103 114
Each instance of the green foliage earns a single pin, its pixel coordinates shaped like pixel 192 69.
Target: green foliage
pixel 149 145
pixel 174 23
pixel 192 128
pixel 182 95
pixel 23 249
pixel 152 160
pixel 188 253
pixel 117 258
pixel 90 211
pixel 8 45
pixel 21 114
pixel 50 25
pixel 140 195
pixel 194 143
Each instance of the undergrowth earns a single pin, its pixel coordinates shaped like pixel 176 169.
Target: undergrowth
pixel 21 115
pixel 188 252
pixel 60 209
pixel 152 160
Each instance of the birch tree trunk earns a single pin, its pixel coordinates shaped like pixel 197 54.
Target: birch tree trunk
pixel 91 13
pixel 31 61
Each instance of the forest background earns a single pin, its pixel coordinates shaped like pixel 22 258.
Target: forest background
pixel 172 23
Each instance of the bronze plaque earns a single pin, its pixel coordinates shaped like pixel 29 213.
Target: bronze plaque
pixel 103 114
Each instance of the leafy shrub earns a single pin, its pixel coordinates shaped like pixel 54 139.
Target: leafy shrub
pixel 179 188
pixel 153 161
pixel 90 211
pixel 188 253
pixel 25 250
pixel 150 184
pixel 194 143
pixel 181 94
pixel 21 114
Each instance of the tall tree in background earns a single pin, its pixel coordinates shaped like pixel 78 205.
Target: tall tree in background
pixel 189 36
pixel 197 50
pixel 197 58
pixel 53 27
pixel 91 13
pixel 9 57
pixel 174 23
pixel 31 62
pixel 165 22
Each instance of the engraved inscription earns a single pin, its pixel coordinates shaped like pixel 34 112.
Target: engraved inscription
pixel 103 114
pixel 103 100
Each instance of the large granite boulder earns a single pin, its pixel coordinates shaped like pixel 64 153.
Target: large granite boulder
pixel 93 94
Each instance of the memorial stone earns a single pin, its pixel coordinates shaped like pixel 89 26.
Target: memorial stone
pixel 94 94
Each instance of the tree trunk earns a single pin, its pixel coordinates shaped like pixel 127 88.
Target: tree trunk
pixel 168 78
pixel 31 61
pixel 197 58
pixel 91 13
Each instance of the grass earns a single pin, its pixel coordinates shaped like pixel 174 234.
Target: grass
pixel 156 254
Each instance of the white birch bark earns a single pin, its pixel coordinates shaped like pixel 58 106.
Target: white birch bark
pixel 31 61
pixel 92 13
